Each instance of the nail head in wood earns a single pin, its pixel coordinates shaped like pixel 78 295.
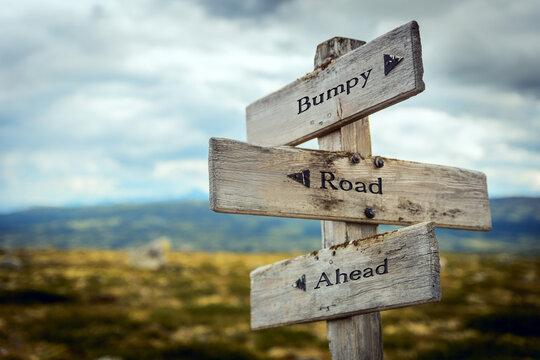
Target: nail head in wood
pixel 379 162
pixel 370 214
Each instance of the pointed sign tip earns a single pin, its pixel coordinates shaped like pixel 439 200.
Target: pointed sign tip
pixel 390 62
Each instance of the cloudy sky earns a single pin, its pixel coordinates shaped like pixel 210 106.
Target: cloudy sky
pixel 113 101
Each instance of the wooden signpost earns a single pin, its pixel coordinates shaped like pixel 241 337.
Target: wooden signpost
pixel 357 273
pixel 330 185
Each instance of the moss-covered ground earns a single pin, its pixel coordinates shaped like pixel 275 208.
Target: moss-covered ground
pixel 91 304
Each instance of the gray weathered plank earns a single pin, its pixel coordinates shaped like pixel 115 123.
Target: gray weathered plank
pixel 387 271
pixel 250 179
pixel 283 118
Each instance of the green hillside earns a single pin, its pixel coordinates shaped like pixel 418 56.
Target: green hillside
pixel 192 226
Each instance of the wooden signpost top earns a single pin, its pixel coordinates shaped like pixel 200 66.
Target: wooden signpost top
pixel 383 72
pixel 337 185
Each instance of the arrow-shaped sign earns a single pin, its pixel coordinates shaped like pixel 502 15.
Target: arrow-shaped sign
pixel 250 179
pixel 391 270
pixel 351 87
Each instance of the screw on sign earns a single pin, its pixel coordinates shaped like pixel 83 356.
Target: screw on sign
pixel 357 273
pixel 370 214
pixel 379 162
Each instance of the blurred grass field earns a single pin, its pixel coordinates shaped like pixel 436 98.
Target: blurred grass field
pixel 91 304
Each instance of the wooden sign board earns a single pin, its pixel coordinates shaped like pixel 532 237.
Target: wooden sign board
pixel 291 182
pixel 387 271
pixel 374 76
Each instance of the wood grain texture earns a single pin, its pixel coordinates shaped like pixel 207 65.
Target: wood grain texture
pixel 250 179
pixel 355 138
pixel 333 48
pixel 391 270
pixel 276 119
pixel 357 337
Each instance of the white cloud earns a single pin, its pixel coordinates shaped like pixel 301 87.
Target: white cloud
pixel 182 176
pixel 483 144
pixel 99 96
pixel 179 168
pixel 520 181
pixel 91 185
pixel 56 178
pixel 437 136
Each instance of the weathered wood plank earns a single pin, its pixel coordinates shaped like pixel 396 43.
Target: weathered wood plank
pixel 387 271
pixel 349 88
pixel 292 182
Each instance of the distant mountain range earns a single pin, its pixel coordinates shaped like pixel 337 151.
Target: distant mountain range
pixel 192 226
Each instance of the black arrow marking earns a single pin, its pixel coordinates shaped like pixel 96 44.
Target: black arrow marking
pixel 301 283
pixel 390 62
pixel 302 177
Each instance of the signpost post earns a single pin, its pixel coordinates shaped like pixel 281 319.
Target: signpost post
pixel 357 273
